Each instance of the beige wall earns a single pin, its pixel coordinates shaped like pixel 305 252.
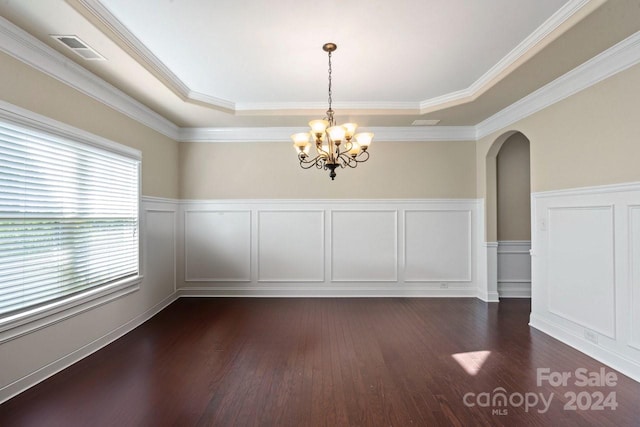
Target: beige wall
pixel 28 88
pixel 264 170
pixel 514 189
pixel 591 138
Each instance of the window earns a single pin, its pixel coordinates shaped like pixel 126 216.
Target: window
pixel 69 226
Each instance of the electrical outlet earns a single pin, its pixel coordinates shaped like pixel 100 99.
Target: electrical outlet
pixel 444 286
pixel 591 336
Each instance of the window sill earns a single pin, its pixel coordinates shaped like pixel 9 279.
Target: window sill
pixel 26 322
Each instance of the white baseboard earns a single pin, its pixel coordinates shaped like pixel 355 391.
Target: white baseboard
pixel 508 289
pixel 488 296
pixel 604 355
pixel 324 292
pixel 28 381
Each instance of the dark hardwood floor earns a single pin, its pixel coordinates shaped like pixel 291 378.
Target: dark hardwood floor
pixel 327 362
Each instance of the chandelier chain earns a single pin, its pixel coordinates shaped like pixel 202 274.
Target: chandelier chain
pixel 330 100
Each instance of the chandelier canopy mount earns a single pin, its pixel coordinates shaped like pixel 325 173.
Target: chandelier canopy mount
pixel 329 47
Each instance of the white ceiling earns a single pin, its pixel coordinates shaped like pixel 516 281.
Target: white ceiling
pixel 256 63
pixel 402 51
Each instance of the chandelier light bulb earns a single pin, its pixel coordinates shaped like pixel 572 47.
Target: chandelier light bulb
pixel 355 149
pixel 336 133
pixel 318 126
pixel 300 139
pixel 350 130
pixel 364 139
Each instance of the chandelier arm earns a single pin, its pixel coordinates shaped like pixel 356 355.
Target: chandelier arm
pixel 345 160
pixel 351 161
pixel 365 156
pixel 320 150
pixel 307 164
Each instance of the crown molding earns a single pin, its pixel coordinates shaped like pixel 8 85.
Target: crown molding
pixel 618 58
pixel 132 45
pixel 529 46
pixel 145 57
pixel 26 48
pixel 424 133
pixel 280 134
pixel 304 107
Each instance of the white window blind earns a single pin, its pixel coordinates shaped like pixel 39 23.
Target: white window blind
pixel 68 218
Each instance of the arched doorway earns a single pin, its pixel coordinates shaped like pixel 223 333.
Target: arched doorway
pixel 507 230
pixel 513 197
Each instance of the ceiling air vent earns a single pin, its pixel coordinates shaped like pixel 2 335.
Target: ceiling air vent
pixel 79 47
pixel 425 122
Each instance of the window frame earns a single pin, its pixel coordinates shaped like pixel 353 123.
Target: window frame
pixel 31 319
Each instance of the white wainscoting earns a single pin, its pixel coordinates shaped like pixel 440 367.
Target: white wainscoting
pixel 634 280
pixel 438 245
pixel 586 271
pixel 328 248
pixel 514 269
pixel 217 245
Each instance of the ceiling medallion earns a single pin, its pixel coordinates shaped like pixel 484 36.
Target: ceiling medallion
pixel 336 146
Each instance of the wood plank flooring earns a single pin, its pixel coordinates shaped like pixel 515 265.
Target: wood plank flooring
pixel 325 362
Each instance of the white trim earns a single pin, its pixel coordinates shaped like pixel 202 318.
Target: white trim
pixel 326 292
pixel 173 82
pixel 304 108
pixel 632 292
pixel 527 45
pixel 610 342
pixel 360 285
pixel 29 321
pixel 596 189
pixel 164 200
pixel 514 289
pixel 173 210
pixel 424 133
pixel 604 355
pixel 323 230
pixel 509 287
pixel 35 377
pixel 470 224
pixel 186 277
pixel 322 202
pixel 489 293
pixel 280 134
pixel 26 48
pixel 602 66
pixel 515 56
pixel 330 260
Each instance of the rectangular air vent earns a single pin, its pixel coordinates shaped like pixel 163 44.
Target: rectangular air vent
pixel 79 47
pixel 425 122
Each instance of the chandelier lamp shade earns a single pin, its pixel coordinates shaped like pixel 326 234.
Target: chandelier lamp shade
pixel 335 146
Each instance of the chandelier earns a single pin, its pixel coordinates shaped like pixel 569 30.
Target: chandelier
pixel 336 146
